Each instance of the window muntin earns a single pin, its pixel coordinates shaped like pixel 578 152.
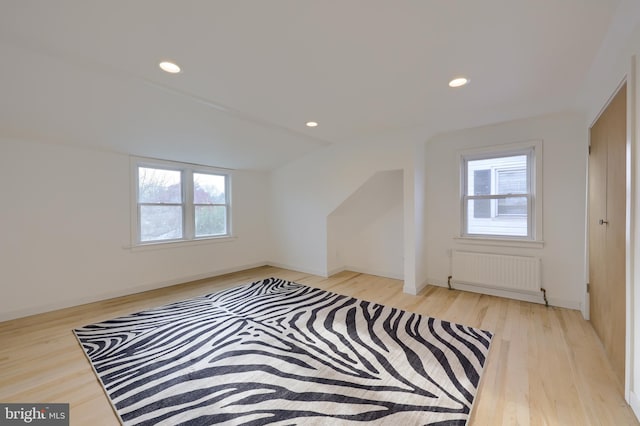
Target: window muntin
pixel 180 202
pixel 497 194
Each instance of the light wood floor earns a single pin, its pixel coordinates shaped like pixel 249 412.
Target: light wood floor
pixel 545 366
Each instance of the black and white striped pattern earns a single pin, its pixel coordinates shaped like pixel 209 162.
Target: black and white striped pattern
pixel 277 352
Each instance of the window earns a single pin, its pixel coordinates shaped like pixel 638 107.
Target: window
pixel 160 204
pixel 179 202
pixel 500 190
pixel 210 203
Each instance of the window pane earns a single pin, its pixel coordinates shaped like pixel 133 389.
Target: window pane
pixel 489 171
pixel 511 181
pixel 159 186
pixel 482 208
pixel 506 225
pixel 211 220
pixel 482 182
pixel 482 186
pixel 209 189
pixel 160 223
pixel 512 207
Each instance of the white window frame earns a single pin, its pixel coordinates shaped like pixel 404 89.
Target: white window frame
pixel 533 151
pixel 187 171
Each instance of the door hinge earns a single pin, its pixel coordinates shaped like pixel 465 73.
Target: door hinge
pixel 589 149
pixel 588 288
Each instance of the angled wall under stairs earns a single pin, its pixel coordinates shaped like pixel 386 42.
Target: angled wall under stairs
pixel 365 232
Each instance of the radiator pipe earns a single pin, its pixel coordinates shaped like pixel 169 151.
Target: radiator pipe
pixel 544 295
pixel 449 282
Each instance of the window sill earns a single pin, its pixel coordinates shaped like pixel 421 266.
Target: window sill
pixel 182 243
pixel 500 242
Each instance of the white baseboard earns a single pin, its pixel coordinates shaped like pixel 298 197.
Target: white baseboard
pixel 415 291
pixel 376 272
pixel 34 310
pixel 409 290
pixel 332 272
pixel 6 316
pixel 634 402
pixel 368 271
pixel 422 286
pixel 562 303
pixel 20 313
pixel 298 269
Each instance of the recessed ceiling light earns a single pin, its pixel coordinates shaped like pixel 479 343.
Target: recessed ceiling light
pixel 169 67
pixel 458 82
pixel 312 124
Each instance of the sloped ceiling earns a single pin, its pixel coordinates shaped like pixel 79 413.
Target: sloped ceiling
pixel 85 72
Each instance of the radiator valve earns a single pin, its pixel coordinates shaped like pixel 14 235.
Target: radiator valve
pixel 544 296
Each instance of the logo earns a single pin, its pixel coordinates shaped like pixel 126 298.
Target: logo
pixel 35 414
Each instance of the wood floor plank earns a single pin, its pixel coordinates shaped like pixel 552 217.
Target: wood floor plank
pixel 545 367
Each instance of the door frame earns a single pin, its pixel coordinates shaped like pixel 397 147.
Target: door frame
pixel 630 170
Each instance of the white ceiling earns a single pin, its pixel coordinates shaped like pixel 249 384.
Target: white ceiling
pixel 85 72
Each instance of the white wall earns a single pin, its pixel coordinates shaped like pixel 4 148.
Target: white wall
pixel 564 172
pixel 365 232
pixel 306 191
pixel 66 227
pixel 418 233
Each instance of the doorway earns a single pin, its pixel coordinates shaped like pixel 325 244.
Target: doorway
pixel 607 229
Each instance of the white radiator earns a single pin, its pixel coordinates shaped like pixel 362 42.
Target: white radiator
pixel 515 273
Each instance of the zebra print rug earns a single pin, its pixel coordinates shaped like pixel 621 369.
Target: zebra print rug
pixel 278 352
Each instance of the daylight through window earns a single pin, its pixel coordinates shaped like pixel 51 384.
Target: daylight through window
pixel 498 194
pixel 177 202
